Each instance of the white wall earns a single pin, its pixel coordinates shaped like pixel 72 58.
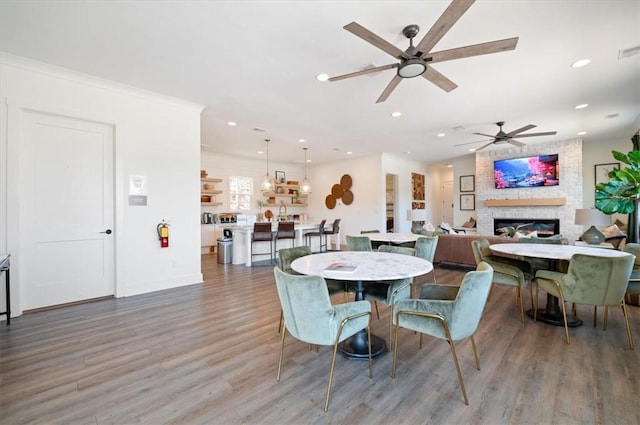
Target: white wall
pixel 155 136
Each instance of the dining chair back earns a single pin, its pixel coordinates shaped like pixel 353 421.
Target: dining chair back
pixel 425 247
pixel 590 280
pixel 446 312
pixel 358 243
pixel 506 271
pixel 634 279
pixel 310 317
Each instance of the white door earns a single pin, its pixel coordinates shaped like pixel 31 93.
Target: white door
pixel 447 202
pixel 66 210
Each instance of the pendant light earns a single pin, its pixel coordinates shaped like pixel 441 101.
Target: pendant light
pixel 306 187
pixel 267 182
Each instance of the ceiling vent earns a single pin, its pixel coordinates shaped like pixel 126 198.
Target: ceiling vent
pixel 627 53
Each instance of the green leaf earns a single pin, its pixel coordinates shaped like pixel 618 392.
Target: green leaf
pixel 620 157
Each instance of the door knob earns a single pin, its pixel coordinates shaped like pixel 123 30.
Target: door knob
pixel 108 231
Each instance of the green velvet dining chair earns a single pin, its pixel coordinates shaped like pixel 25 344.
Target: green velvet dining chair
pixel 425 247
pixel 446 312
pixel 358 243
pixel 310 317
pixel 286 256
pixel 634 280
pixel 389 291
pixel 506 271
pixel 590 280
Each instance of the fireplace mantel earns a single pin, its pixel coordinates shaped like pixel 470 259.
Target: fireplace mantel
pixel 525 202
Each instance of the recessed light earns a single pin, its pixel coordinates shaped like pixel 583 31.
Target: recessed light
pixel 349 152
pixel 407 153
pixel 441 134
pixel 580 63
pixel 472 150
pixel 231 124
pixel 582 133
pixel 396 114
pixel 449 166
pixel 301 140
pixel 260 152
pixel 322 77
pixel 582 106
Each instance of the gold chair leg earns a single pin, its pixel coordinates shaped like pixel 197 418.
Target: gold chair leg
pixel 520 300
pixel 395 349
pixel 284 331
pixel 455 360
pixel 564 317
pixel 606 317
pixel 281 323
pixel 475 352
pixel 333 364
pixel 375 303
pixel 626 319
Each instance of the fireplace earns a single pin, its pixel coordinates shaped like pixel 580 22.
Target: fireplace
pixel 543 226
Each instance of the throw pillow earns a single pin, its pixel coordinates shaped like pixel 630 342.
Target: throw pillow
pixel 469 224
pixel 612 231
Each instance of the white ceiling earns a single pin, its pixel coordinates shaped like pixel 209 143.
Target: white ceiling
pixel 255 62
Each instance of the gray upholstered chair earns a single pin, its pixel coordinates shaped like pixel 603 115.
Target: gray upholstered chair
pixel 310 317
pixel 542 263
pixel 634 280
pixel 389 291
pixel 358 243
pixel 288 255
pixel 506 271
pixel 590 280
pixel 447 312
pixel 426 248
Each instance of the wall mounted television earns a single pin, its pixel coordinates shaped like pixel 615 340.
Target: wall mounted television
pixel 531 171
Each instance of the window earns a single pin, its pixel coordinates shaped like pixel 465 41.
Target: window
pixel 240 192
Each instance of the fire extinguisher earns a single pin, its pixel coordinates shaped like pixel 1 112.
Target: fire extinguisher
pixel 163 234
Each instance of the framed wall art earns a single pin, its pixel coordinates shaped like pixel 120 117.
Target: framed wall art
pixel 281 177
pixel 602 171
pixel 467 202
pixel 467 183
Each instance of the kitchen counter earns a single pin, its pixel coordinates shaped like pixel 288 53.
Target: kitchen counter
pixel 242 240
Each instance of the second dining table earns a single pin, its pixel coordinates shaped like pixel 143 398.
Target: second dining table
pixel 551 314
pixel 360 267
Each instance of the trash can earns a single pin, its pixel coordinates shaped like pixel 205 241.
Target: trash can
pixel 225 250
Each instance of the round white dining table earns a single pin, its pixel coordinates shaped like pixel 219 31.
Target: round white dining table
pixel 368 266
pixel 551 314
pixel 393 238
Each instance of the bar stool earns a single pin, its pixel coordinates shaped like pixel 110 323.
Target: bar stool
pixel 262 233
pixel 335 229
pixel 319 233
pixel 286 230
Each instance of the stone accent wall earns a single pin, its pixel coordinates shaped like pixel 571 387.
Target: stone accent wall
pixel 570 187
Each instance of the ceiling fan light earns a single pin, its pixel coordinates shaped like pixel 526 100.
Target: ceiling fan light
pixel 411 68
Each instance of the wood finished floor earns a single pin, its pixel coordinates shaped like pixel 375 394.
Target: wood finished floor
pixel 207 354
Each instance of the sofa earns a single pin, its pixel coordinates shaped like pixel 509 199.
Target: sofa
pixel 456 248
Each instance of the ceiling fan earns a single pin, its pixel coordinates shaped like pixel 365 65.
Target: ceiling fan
pixel 414 60
pixel 502 137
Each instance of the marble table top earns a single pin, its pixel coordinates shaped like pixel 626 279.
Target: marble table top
pixel 552 252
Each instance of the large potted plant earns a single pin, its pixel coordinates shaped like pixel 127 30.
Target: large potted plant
pixel 621 194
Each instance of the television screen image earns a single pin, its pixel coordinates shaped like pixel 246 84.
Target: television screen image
pixel 530 171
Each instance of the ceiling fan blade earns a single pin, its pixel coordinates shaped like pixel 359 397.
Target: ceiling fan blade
pixel 520 130
pixel 390 87
pixel 485 146
pixel 456 9
pixel 485 135
pixel 474 50
pixel 546 133
pixel 364 72
pixel 516 143
pixel 371 38
pixel 471 143
pixel 439 80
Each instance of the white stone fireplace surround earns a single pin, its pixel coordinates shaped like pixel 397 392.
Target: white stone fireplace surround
pixel 570 188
